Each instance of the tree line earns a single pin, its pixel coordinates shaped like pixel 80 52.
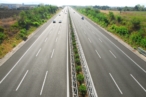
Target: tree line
pixel 131 29
pixel 137 7
pixel 25 20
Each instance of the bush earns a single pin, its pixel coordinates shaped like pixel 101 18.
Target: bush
pixel 76 55
pixel 111 16
pixel 36 24
pixel 135 23
pixel 2 37
pixel 136 38
pixel 80 78
pixel 78 69
pixel 143 42
pixel 122 30
pixel 119 19
pixel 82 90
pixel 75 50
pixel 23 34
pixel 1 29
pixel 77 61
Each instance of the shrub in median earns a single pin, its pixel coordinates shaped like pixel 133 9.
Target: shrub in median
pixel 76 55
pixel 80 78
pixel 82 90
pixel 77 61
pixel 78 69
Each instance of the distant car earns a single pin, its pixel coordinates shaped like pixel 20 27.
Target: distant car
pixel 54 21
pixel 60 21
pixel 82 18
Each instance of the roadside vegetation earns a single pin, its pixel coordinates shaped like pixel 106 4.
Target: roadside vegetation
pixel 16 27
pixel 80 77
pixel 128 25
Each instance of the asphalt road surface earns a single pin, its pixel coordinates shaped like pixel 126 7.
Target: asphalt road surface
pixel 115 70
pixel 40 67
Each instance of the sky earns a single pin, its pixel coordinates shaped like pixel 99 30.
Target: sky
pixel 115 3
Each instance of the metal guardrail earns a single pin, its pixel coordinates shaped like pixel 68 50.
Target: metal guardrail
pixel 73 70
pixel 88 80
pixel 141 51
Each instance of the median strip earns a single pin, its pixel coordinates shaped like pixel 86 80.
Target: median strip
pixel 78 82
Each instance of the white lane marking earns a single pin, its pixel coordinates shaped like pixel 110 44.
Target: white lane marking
pixel 125 54
pixel 100 40
pixel 138 82
pixel 52 53
pixel 115 83
pixel 21 57
pixel 56 39
pixel 67 63
pixel 38 52
pixel 89 40
pixel 98 54
pixel 21 80
pixel 44 83
pixel 46 39
pixel 112 54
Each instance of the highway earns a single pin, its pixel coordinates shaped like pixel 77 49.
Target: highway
pixel 40 68
pixel 115 70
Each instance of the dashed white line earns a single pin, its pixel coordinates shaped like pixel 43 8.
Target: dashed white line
pixel 38 52
pixel 52 53
pixel 89 40
pixel 112 54
pixel 100 40
pixel 21 58
pixel 46 39
pixel 125 54
pixel 138 82
pixel 56 39
pixel 98 54
pixel 21 80
pixel 44 83
pixel 115 83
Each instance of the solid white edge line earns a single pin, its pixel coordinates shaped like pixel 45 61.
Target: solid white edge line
pixel 21 57
pixel 56 39
pixel 89 40
pixel 138 82
pixel 98 54
pixel 100 40
pixel 115 83
pixel 52 53
pixel 46 39
pixel 68 91
pixel 38 52
pixel 112 54
pixel 43 83
pixel 21 80
pixel 124 53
